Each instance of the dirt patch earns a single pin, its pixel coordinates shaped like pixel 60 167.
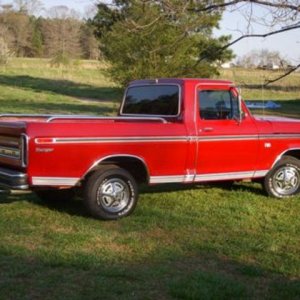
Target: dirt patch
pixel 89 100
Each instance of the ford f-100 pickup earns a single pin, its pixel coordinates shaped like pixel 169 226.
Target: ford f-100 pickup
pixel 167 130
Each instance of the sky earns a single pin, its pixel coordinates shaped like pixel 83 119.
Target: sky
pixel 79 5
pixel 288 43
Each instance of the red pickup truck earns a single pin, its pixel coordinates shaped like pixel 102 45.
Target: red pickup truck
pixel 167 130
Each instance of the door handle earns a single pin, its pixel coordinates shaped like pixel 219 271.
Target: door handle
pixel 208 129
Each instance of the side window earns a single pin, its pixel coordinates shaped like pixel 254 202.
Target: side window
pixel 217 105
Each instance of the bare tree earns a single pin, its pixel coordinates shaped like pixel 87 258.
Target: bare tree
pixel 62 33
pixel 263 58
pixel 5 38
pixel 276 16
pixel 62 12
pixel 7 7
pixel 90 11
pixel 29 6
pixel 18 31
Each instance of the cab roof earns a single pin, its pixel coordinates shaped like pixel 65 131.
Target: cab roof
pixel 181 81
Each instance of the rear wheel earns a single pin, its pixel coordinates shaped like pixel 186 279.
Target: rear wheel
pixel 283 180
pixel 110 193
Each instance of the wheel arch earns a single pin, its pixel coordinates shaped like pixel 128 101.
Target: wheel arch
pixel 294 152
pixel 135 165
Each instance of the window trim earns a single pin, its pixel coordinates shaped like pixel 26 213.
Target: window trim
pixel 153 115
pixel 198 92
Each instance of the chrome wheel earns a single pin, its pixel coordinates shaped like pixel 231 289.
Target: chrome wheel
pixel 113 195
pixel 110 193
pixel 286 180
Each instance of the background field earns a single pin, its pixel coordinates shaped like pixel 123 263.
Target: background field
pixel 184 242
pixel 32 85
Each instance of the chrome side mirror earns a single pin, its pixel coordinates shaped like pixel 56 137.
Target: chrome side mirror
pixel 240 115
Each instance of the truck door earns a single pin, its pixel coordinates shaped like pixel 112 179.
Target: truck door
pixel 227 147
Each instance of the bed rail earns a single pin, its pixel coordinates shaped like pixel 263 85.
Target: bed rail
pixel 51 118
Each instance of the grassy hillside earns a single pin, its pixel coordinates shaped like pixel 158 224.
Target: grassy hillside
pixel 251 81
pixel 32 85
pixel 285 92
pixel 183 242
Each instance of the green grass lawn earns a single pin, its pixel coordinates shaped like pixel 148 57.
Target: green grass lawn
pixel 285 92
pixel 182 242
pixel 251 83
pixel 33 86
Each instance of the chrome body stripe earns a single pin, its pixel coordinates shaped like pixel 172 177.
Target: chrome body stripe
pixel 224 176
pixel 189 178
pixel 54 181
pixel 246 137
pixel 121 155
pixel 164 139
pixel 167 179
pixel 280 136
pixel 119 118
pixel 172 179
pixel 261 173
pixel 115 140
pixel 207 177
pixel 69 181
pixel 227 138
pixel 231 175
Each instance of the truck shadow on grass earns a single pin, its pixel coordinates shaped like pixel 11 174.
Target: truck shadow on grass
pixel 254 188
pixel 161 252
pixel 72 207
pixel 53 274
pixel 62 87
pixel 75 207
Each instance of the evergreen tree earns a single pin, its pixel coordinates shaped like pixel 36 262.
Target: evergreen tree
pixel 37 43
pixel 150 39
pixel 88 42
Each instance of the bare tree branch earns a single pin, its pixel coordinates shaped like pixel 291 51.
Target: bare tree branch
pixel 282 5
pixel 264 35
pixel 282 76
pixel 297 26
pixel 139 27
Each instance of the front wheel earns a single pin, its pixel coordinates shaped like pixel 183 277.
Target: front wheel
pixel 110 193
pixel 283 180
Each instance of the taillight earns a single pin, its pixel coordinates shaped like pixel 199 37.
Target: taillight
pixel 24 150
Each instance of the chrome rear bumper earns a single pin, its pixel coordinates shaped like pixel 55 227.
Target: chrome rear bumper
pixel 13 180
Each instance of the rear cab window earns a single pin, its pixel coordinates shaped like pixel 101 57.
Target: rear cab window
pixel 152 100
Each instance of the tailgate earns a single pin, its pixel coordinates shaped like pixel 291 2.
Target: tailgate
pixel 13 144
